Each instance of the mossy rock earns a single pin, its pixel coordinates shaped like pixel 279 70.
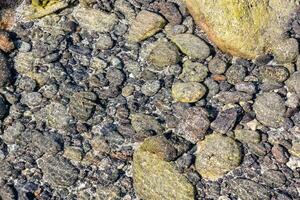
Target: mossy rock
pixel 247 28
pixel 155 178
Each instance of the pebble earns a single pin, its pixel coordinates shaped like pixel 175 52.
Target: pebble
pixel 4 108
pixel 58 171
pixel 5 76
pixel 170 12
pixel 32 99
pixel 6 44
pixel 235 74
pixel 225 120
pixel 286 51
pixel 217 66
pixel 216 155
pixel 248 190
pixel 192 46
pixel 23 46
pixel 189 92
pixel 273 73
pixel 193 72
pixel 104 42
pixel 193 124
pixel 150 88
pixel 280 154
pixel 163 54
pixel 274 178
pixel 293 83
pixel 82 105
pixel 270 109
pixel 98 21
pixel 142 122
pixel 145 25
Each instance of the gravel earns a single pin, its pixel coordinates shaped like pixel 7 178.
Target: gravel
pixel 128 99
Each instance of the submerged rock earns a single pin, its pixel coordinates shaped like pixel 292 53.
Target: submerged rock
pixel 189 92
pixel 217 155
pixel 269 109
pixel 155 178
pixel 145 25
pixel 247 28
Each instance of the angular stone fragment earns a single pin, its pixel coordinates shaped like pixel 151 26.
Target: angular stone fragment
pixel 155 178
pixel 192 46
pixel 248 190
pixel 145 25
pixel 189 92
pixel 269 109
pixel 193 124
pixel 225 120
pixel 57 171
pixel 216 155
pixel 163 54
pixel 95 20
pixel 82 105
pixel 247 28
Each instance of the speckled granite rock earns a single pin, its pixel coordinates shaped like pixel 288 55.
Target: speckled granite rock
pixel 217 155
pixel 155 178
pixel 247 28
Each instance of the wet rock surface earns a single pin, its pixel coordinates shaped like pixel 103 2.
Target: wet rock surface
pixel 129 99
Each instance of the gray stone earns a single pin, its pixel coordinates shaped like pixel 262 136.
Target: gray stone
pixel 225 120
pixel 82 105
pixel 235 74
pixel 216 155
pixel 145 25
pixel 193 124
pixel 193 72
pixel 217 66
pixel 58 172
pixel 95 20
pixel 293 83
pixel 249 190
pixel 192 46
pixel 270 109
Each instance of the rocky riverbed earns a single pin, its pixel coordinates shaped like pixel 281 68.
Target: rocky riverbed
pixel 130 99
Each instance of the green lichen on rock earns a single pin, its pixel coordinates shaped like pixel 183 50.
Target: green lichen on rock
pixel 217 155
pixel 155 178
pixel 247 28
